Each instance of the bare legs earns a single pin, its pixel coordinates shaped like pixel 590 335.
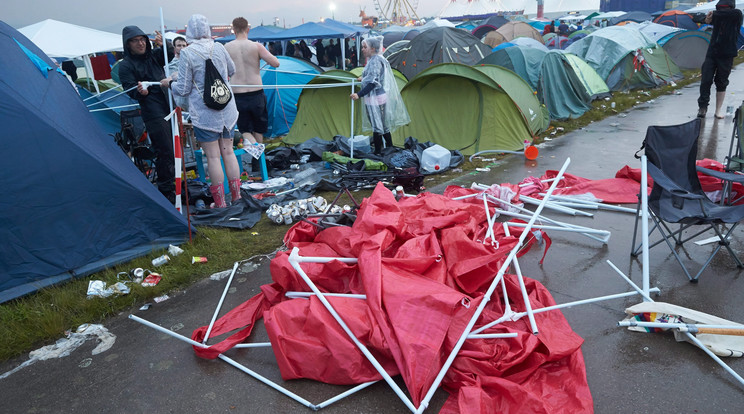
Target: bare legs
pixel 222 148
pixel 250 138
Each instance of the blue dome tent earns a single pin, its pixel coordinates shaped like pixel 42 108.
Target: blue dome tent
pixel 75 204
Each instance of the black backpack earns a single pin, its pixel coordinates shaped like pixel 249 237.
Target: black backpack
pixel 216 94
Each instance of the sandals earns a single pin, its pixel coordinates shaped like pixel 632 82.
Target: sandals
pixel 701 112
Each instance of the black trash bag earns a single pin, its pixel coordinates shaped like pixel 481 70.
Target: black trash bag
pixel 401 159
pixel 198 190
pixel 315 147
pixel 410 179
pixel 282 158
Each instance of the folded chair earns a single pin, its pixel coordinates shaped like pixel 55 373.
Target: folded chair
pixel 677 199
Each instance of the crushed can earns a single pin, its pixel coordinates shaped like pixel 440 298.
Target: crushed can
pixel 159 261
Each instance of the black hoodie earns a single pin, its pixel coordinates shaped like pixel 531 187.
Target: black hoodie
pixel 146 67
pixel 727 20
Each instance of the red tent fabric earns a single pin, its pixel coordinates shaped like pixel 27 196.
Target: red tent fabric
pixel 424 269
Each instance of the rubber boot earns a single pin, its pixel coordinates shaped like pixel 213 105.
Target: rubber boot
pixel 720 97
pixel 218 194
pixel 234 189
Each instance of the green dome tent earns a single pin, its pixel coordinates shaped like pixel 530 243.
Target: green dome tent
pixel 626 58
pixel 567 85
pixel 438 45
pixel 325 112
pixel 471 108
pixel 523 60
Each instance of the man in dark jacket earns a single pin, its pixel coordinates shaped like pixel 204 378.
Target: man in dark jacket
pixel 142 63
pixel 719 59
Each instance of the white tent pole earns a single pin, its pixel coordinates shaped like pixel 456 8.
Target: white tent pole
pixel 343 52
pixel 351 135
pixel 644 225
pixel 294 260
pixel 89 71
pixel 344 394
pixel 219 305
pixel 487 295
pixel 294 294
pixel 255 375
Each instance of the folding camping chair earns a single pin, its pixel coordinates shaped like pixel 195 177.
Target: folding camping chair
pixel 134 141
pixel 734 162
pixel 677 196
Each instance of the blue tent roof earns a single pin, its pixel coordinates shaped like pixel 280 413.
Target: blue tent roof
pixel 309 30
pixel 281 104
pixel 76 203
pixel 254 34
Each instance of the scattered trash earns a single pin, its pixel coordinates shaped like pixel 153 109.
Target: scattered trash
pixel 198 259
pixel 98 289
pixel 296 209
pixel 145 307
pixel 220 275
pixel 65 346
pixel 152 279
pixel 254 233
pixel 612 105
pixel 159 261
pixel 483 169
pixel 614 124
pixel 174 250
pixel 622 115
pixel 161 298
pixel 677 92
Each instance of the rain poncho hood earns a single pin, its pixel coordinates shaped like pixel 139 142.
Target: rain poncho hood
pixel 385 110
pixel 198 30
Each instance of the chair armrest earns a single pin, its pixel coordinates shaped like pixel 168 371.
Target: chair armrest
pixel 666 183
pixel 725 176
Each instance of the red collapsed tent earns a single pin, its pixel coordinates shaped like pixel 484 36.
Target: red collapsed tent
pixel 423 270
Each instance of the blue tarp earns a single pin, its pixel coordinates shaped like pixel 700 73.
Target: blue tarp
pixel 75 203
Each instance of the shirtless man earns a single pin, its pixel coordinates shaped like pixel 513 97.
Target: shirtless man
pixel 253 120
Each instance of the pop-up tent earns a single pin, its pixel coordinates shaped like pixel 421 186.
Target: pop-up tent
pixel 626 58
pixel 65 40
pixel 471 108
pixel 281 103
pixel 76 204
pixel 438 45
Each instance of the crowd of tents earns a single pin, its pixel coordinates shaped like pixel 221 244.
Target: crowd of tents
pixel 460 91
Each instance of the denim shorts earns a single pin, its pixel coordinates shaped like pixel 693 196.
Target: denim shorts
pixel 202 135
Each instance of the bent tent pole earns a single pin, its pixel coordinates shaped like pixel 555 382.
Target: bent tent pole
pixel 487 297
pixel 519 315
pixel 600 205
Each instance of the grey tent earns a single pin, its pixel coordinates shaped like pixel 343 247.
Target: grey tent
pixel 438 45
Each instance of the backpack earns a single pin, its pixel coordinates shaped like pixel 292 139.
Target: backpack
pixel 216 94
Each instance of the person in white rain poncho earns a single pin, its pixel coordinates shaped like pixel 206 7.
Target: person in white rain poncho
pixel 383 104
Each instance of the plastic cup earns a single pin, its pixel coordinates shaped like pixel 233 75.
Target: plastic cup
pixel 531 152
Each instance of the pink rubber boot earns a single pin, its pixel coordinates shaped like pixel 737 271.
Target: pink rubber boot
pixel 235 189
pixel 218 194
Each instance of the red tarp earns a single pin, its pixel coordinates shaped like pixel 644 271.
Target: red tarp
pixel 424 271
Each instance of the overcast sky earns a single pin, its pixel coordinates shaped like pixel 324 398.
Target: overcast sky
pixel 104 15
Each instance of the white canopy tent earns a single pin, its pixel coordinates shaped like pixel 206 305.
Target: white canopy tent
pixel 65 40
pixel 705 8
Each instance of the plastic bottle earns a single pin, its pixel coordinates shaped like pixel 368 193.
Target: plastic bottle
pixel 305 177
pixel 200 204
